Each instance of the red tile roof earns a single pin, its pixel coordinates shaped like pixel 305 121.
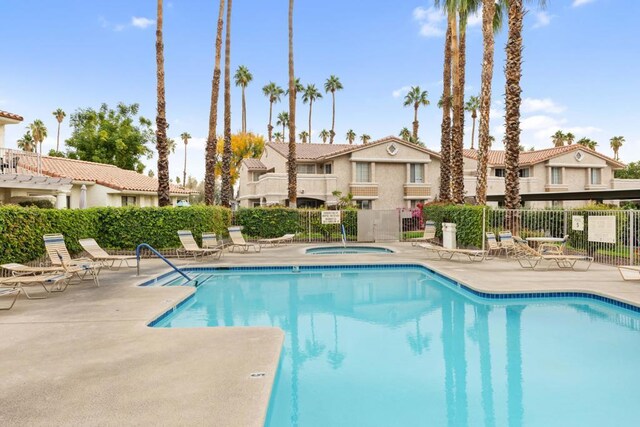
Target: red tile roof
pixel 527 158
pixel 107 175
pixel 11 116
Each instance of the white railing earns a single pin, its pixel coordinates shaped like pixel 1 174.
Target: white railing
pixel 19 162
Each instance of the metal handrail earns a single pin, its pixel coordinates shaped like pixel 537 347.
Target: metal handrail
pixel 145 245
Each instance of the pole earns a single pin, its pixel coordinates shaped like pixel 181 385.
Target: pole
pixel 632 243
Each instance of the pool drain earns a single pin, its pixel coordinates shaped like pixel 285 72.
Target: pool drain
pixel 257 374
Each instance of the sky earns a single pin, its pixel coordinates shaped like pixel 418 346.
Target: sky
pixel 581 70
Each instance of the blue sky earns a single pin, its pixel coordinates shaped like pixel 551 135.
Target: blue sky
pixel 581 69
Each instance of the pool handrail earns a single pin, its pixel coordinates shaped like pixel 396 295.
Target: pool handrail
pixel 146 245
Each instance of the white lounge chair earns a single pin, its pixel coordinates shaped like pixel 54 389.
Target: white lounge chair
pixel 190 247
pixel 473 255
pixel 277 241
pixel 17 269
pixel 98 254
pixel 59 281
pixel 493 246
pixel 629 270
pixel 60 257
pixel 428 235
pixel 10 292
pixel 237 241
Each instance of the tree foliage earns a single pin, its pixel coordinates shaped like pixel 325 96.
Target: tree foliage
pixel 243 146
pixel 113 136
pixel 631 171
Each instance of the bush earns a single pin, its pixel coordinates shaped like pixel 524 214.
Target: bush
pixel 42 204
pixel 468 220
pixel 268 222
pixel 21 229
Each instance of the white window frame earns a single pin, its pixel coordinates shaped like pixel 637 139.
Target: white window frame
pixel 559 175
pixel 359 173
pixel 599 176
pixel 361 204
pixel 416 169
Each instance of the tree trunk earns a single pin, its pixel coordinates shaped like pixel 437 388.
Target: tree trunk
pixel 415 124
pixel 513 72
pixel 184 171
pixel 226 191
pixel 445 128
pixel 164 198
pixel 457 161
pixel 310 108
pixel 212 140
pixel 244 113
pixel 58 138
pixel 473 128
pixel 291 160
pixel 269 127
pixel 333 117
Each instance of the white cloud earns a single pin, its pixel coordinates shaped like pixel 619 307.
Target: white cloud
pixel 430 21
pixel 578 3
pixel 542 19
pixel 141 22
pixel 545 105
pixel 399 92
pixel 475 19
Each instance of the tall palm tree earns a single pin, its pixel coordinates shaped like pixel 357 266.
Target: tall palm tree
pixel 351 136
pixel 405 134
pixel 616 142
pixel 226 190
pixel 304 135
pixel 26 143
pixel 39 133
pixel 283 120
pixel 59 114
pixel 587 142
pixel 332 84
pixel 279 137
pixel 273 92
pixel 291 158
pixel 415 98
pixel 324 135
pixel 569 138
pixel 445 128
pixel 298 86
pixel 211 156
pixel 310 94
pixel 164 198
pixel 558 138
pixel 365 138
pixel 472 106
pixel 185 136
pixel 242 78
pixel 457 165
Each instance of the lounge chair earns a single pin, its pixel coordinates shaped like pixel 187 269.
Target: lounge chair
pixel 533 259
pixel 428 235
pixel 629 268
pixel 493 246
pixel 60 257
pixel 10 292
pixel 473 255
pixel 277 241
pixel 508 243
pixel 17 269
pixel 98 254
pixel 237 241
pixel 553 248
pixel 190 247
pixel 59 281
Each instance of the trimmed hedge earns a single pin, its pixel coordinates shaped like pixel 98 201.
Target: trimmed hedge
pixel 21 229
pixel 468 220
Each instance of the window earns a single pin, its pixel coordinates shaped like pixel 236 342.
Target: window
pixel 523 173
pixel 129 201
pixel 556 175
pixel 255 203
pixel 255 176
pixel 328 168
pixel 417 173
pixel 306 168
pixel 364 204
pixel 363 172
pixel 500 173
pixel 596 176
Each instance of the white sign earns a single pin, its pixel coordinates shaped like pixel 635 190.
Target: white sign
pixel 602 229
pixel 331 217
pixel 577 223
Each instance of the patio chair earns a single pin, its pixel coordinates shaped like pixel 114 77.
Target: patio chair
pixel 630 270
pixel 533 259
pixel 277 241
pixel 17 269
pixel 428 235
pixel 473 255
pixel 553 248
pixel 508 243
pixel 190 247
pixel 211 241
pixel 98 254
pixel 10 292
pixel 493 246
pixel 59 281
pixel 237 241
pixel 60 257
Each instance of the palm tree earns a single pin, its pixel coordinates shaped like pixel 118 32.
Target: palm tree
pixel 291 159
pixel 405 134
pixel 445 128
pixel 185 138
pixel 310 94
pixel 332 85
pixel 59 114
pixel 416 97
pixel 324 135
pixel 283 120
pixel 298 85
pixel 211 157
pixel 472 106
pixel 226 190
pixel 164 198
pixel 26 143
pixel 273 92
pixel 39 133
pixel 616 142
pixel 303 136
pixel 364 138
pixel 278 137
pixel 242 78
pixel 351 136
pixel 558 138
pixel 586 142
pixel 569 138
pixel 457 165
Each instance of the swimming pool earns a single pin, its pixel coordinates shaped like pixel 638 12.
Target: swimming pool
pixel 400 345
pixel 341 250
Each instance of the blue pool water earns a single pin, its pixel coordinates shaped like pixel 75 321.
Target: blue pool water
pixel 405 347
pixel 340 250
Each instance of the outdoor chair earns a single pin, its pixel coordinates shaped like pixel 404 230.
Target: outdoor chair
pixel 428 235
pixel 190 247
pixel 508 243
pixel 17 269
pixel 59 281
pixel 629 270
pixel 10 292
pixel 277 241
pixel 532 259
pixel 60 257
pixel 493 246
pixel 211 241
pixel 473 255
pixel 553 248
pixel 98 254
pixel 237 241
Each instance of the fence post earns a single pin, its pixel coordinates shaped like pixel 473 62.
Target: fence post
pixel 632 248
pixel 564 226
pixel 309 222
pixel 484 225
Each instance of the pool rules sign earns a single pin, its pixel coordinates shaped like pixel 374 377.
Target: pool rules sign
pixel 330 217
pixel 602 229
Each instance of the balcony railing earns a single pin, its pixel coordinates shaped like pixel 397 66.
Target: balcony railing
pixel 364 190
pixel 417 191
pixel 19 162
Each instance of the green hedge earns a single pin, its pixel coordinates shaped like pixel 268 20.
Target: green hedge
pixel 468 220
pixel 21 229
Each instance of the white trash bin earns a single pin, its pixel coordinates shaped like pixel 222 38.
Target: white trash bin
pixel 449 235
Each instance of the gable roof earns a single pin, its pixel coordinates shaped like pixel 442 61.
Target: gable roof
pixel 107 175
pixel 12 116
pixel 528 158
pixel 315 152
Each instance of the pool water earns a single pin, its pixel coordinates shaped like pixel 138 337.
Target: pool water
pixel 341 250
pixel 403 346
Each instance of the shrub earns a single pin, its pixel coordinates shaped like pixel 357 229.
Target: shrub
pixel 42 204
pixel 268 222
pixel 468 220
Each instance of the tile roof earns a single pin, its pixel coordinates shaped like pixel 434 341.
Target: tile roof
pixel 254 164
pixel 496 157
pixel 11 116
pixel 107 175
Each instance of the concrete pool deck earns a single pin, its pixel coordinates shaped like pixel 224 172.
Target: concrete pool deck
pixel 85 356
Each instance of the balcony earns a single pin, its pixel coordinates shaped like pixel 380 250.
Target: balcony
pixel 417 191
pixel 364 190
pixel 17 162
pixel 552 188
pixel 274 186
